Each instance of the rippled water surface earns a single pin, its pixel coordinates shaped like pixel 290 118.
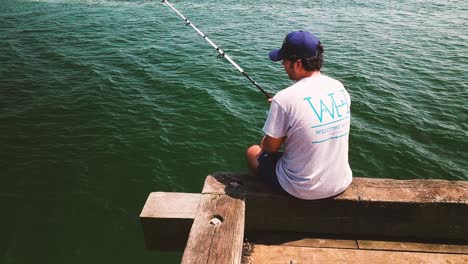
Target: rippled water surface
pixel 104 101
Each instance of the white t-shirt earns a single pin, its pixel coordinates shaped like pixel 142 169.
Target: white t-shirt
pixel 314 117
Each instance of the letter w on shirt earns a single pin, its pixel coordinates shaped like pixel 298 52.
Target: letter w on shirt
pixel 329 105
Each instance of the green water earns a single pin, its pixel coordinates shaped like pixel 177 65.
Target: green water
pixel 103 102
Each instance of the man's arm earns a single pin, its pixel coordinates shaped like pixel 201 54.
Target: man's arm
pixel 271 144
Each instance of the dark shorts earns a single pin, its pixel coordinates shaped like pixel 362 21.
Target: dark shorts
pixel 267 169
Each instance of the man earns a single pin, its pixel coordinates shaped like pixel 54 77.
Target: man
pixel 311 120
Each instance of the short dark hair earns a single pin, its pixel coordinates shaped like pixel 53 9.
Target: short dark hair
pixel 311 63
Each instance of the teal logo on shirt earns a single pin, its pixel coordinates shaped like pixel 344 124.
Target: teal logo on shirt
pixel 334 108
pixel 329 106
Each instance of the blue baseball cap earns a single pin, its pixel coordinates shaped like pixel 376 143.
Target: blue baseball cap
pixel 303 44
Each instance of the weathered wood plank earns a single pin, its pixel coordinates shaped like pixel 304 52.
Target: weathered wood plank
pixel 374 208
pixel 411 246
pixel 171 205
pixel 411 191
pixel 213 241
pixel 297 255
pixel 428 209
pixel 166 219
pixel 311 240
pixel 361 189
pixel 300 240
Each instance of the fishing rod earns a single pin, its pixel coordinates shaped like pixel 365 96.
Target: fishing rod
pixel 221 53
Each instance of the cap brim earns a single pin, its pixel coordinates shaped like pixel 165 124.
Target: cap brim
pixel 276 55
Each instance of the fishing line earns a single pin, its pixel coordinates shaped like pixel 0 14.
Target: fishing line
pixel 221 53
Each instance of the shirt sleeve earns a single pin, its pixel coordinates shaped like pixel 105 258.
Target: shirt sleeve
pixel 277 122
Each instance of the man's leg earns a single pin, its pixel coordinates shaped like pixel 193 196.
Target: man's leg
pixel 252 154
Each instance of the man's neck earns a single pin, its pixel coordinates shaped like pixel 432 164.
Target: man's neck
pixel 307 74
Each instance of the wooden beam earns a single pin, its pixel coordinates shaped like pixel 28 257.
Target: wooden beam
pixel 309 240
pixel 379 209
pixel 288 254
pixel 411 246
pixel 361 189
pixel 166 219
pixel 413 209
pixel 217 232
pixel 300 240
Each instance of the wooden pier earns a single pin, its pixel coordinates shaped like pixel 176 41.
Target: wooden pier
pixel 237 219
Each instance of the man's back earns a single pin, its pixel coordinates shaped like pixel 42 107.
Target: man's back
pixel 314 117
